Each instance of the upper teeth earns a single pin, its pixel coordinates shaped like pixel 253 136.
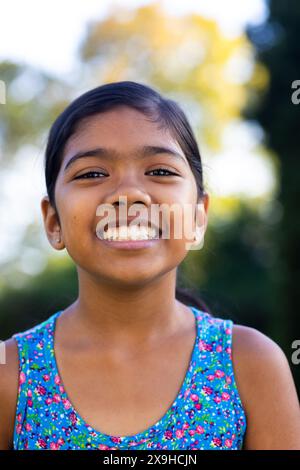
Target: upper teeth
pixel 129 233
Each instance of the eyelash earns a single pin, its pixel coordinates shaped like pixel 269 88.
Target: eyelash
pixel 100 172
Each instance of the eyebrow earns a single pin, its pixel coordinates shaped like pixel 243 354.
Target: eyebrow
pixel 145 151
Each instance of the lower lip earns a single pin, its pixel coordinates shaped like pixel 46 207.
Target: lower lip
pixel 131 244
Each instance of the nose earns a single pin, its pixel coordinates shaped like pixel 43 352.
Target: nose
pixel 128 193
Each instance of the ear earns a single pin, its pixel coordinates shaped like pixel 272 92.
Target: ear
pixel 202 211
pixel 206 200
pixel 51 224
pixel 201 222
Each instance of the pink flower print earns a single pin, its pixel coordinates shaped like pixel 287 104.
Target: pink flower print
pixel 219 348
pixel 29 393
pixel 54 446
pixel 144 440
pixel 46 377
pixel 42 443
pixel 186 393
pixel 56 398
pixel 66 403
pixel 149 444
pixel 116 439
pixel 48 401
pixel 132 443
pixel 19 417
pixel 168 434
pixel 200 429
pixel 61 389
pixel 219 373
pixel 217 441
pixel 203 346
pixel 228 442
pixel 228 379
pixel 73 418
pixel 217 399
pixel 207 390
pixel 60 441
pixel 28 427
pixel 179 433
pixel 225 396
pixel 194 397
pixel 18 428
pixel 192 432
pixel 29 402
pixel 210 377
pixel 22 378
pixel 228 350
pixel 198 406
pixel 103 447
pixel 57 380
pixel 185 426
pixel 41 390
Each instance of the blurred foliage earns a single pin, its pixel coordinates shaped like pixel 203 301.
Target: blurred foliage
pixel 236 264
pixel 278 49
pixel 38 297
pixel 186 57
pixel 33 100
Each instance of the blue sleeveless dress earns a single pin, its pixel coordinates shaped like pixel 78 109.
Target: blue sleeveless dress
pixel 206 414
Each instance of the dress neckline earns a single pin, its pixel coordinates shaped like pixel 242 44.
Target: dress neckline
pixel 152 430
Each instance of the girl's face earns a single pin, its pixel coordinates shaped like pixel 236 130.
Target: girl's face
pixel 121 170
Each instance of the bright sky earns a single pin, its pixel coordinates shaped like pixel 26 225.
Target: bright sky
pixel 46 34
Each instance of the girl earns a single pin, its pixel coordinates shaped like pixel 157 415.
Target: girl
pixel 133 363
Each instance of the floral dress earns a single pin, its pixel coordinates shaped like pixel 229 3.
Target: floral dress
pixel 206 414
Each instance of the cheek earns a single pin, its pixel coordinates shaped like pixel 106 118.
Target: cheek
pixel 77 213
pixel 181 218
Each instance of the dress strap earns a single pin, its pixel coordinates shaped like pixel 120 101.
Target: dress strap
pixel 33 345
pixel 23 382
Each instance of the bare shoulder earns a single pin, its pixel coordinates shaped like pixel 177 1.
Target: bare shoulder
pixel 9 380
pixel 267 391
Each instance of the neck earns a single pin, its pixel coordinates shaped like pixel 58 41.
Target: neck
pixel 126 315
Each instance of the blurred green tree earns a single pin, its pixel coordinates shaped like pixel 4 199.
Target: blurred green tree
pixel 278 49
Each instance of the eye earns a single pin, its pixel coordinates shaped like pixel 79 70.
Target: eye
pixel 161 170
pixel 86 175
pixel 94 174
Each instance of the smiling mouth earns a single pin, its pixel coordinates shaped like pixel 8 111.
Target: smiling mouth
pixel 130 233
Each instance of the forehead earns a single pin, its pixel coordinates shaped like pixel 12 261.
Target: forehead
pixel 121 127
